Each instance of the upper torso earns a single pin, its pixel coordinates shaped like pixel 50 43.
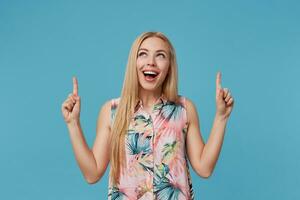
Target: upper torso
pixel 155 148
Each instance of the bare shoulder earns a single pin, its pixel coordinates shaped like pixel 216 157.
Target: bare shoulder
pixel 189 102
pixel 104 114
pixel 191 109
pixel 106 105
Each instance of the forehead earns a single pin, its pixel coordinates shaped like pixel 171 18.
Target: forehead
pixel 154 43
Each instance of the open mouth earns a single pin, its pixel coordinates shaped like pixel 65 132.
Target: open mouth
pixel 150 75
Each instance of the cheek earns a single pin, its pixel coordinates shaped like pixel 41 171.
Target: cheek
pixel 164 72
pixel 139 74
pixel 138 64
pixel 165 67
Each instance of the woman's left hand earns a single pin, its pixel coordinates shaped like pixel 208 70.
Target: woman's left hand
pixel 224 99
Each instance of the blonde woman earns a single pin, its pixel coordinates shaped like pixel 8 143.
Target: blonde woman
pixel 149 133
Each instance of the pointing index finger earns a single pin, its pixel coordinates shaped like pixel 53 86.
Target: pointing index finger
pixel 75 86
pixel 218 81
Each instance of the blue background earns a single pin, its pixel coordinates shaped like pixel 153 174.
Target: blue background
pixel 254 44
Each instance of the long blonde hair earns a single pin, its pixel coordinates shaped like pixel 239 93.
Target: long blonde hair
pixel 129 99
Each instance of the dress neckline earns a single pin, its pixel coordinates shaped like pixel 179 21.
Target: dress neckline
pixel 161 99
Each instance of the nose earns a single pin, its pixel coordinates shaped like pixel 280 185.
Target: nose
pixel 151 61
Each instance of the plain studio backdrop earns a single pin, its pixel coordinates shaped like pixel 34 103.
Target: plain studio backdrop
pixel 254 44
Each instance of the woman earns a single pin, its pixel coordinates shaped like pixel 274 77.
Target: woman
pixel 150 132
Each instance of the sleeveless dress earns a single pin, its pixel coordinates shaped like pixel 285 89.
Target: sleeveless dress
pixel 157 165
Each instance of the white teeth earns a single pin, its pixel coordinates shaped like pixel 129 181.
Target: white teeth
pixel 150 72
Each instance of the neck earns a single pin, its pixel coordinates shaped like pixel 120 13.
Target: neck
pixel 148 98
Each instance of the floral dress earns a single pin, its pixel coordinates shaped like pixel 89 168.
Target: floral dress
pixel 157 166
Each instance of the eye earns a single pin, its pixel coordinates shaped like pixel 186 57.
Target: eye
pixel 141 53
pixel 161 54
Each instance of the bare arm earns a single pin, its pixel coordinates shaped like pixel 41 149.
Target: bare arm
pixel 203 157
pixel 84 156
pixel 92 162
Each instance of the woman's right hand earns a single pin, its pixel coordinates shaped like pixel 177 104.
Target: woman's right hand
pixel 71 106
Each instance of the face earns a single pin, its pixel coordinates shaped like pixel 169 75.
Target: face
pixel 153 61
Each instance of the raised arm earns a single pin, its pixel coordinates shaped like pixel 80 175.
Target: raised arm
pixel 92 162
pixel 101 147
pixel 203 157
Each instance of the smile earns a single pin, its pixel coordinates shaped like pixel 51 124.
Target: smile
pixel 150 75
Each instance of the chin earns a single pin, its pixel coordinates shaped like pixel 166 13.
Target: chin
pixel 153 85
pixel 149 87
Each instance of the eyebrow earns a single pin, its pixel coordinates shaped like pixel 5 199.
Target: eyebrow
pixel 160 50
